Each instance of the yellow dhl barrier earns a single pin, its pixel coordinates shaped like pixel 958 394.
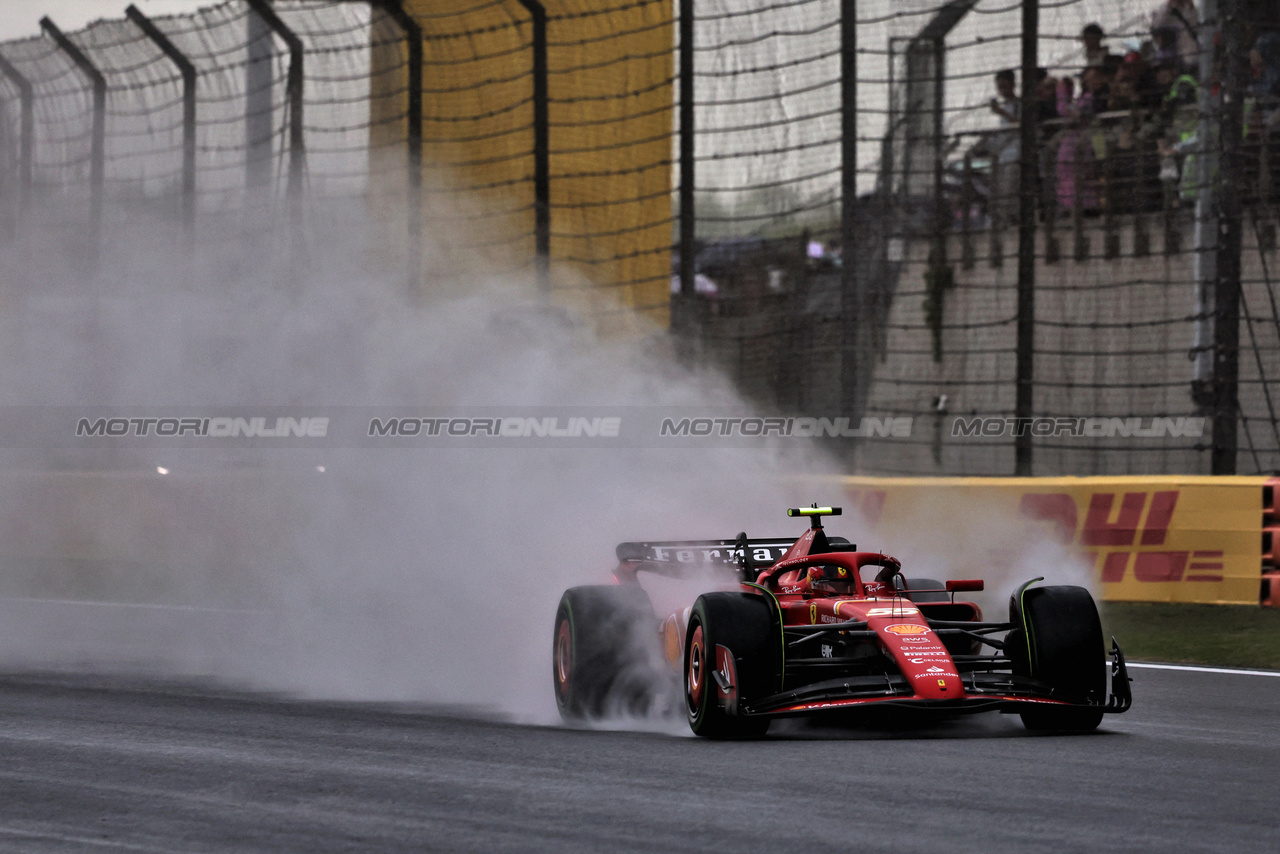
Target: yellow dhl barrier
pixel 1149 539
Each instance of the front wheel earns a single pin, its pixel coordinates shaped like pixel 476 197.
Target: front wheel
pixel 1059 643
pixel 731 656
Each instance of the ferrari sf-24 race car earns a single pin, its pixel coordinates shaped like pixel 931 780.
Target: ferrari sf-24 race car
pixel 814 627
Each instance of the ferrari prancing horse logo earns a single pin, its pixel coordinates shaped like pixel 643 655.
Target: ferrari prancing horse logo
pixel 813 613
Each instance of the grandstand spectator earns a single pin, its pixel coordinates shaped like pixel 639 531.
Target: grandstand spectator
pixel 1077 161
pixel 1006 104
pixel 1264 60
pixel 1050 127
pixel 1095 81
pixel 1094 52
pixel 1180 89
pixel 1134 85
pixel 1150 91
pixel 1166 43
pixel 1179 118
pixel 1046 98
pixel 1133 138
pixel 1179 19
pixel 1006 147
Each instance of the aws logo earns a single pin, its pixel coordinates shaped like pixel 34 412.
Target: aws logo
pixel 1125 534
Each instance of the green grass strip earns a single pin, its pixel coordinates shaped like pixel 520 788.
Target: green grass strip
pixel 1217 635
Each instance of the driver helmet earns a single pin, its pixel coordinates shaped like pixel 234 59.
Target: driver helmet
pixel 831 579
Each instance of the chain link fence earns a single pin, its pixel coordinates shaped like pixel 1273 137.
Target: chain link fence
pixel 825 199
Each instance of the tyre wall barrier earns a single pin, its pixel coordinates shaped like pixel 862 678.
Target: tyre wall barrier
pixel 1148 539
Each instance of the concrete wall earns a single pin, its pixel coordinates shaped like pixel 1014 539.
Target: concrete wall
pixel 1113 338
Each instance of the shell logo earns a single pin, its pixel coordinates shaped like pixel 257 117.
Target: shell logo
pixel 904 629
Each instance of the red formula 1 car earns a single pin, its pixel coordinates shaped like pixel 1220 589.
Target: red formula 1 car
pixel 816 626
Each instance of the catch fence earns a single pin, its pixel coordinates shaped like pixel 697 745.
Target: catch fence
pixel 819 196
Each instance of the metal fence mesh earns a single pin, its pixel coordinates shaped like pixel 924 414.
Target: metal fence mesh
pixel 564 133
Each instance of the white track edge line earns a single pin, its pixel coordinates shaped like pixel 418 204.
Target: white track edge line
pixel 1196 669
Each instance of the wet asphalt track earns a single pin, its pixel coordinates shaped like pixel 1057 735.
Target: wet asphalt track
pixel 94 765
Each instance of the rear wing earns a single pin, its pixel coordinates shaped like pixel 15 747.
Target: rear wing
pixel 669 557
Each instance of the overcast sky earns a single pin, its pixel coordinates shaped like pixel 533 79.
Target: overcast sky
pixel 20 18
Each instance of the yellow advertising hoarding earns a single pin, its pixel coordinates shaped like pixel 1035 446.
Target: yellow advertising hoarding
pixel 610 113
pixel 1149 539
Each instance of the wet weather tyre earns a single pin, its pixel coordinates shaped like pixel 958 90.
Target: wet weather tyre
pixel 1059 643
pixel 743 624
pixel 604 653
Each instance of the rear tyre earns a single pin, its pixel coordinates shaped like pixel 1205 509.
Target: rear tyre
pixel 743 624
pixel 1059 642
pixel 604 654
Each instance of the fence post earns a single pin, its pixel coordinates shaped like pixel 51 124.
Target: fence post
pixel 1110 219
pixel 98 142
pixel 1078 189
pixel 293 90
pixel 188 71
pixel 26 133
pixel 1205 235
pixel 682 317
pixel 1049 197
pixel 995 214
pixel 1266 230
pixel 413 35
pixel 259 109
pixel 1028 187
pixel 966 217
pixel 541 146
pixel 852 299
pixel 1226 292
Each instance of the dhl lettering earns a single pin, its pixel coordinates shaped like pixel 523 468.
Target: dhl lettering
pixel 1206 561
pixel 1159 566
pixel 1122 532
pixel 869 503
pixel 1113 567
pixel 1098 531
pixel 1057 507
pixel 1159 517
